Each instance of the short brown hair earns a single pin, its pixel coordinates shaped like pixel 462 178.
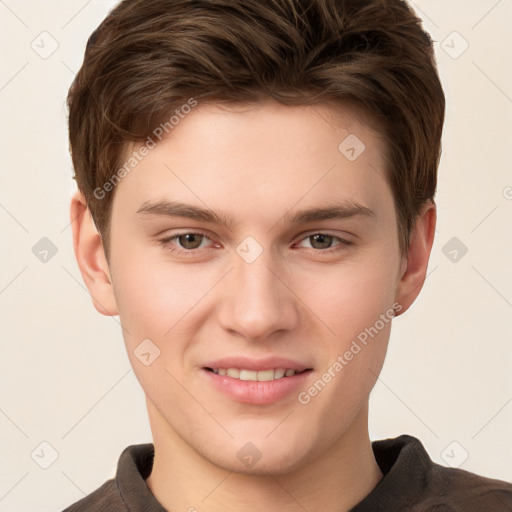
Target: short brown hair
pixel 150 57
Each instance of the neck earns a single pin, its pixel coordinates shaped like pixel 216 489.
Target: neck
pixel 182 479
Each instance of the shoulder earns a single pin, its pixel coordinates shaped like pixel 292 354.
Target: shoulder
pixel 451 489
pixel 105 497
pixel 127 491
pixel 413 482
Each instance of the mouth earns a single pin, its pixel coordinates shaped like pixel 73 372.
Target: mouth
pixel 257 375
pixel 260 385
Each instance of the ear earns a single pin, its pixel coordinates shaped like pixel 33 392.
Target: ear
pixel 415 263
pixel 90 257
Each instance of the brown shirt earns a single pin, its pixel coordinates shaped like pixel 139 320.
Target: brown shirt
pixel 411 482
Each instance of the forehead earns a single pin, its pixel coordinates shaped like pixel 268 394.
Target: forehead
pixel 256 159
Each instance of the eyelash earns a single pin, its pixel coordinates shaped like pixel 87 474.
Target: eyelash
pixel 166 243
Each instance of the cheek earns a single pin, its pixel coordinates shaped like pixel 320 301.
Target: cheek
pixel 356 309
pixel 157 304
pixel 153 296
pixel 348 297
pixel 165 303
pixel 354 303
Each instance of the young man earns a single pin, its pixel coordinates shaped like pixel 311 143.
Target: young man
pixel 256 203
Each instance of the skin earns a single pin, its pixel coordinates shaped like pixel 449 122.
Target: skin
pixel 254 165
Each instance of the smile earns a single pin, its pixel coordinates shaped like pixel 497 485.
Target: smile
pixel 253 375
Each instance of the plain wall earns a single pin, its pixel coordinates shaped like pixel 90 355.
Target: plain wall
pixel 65 375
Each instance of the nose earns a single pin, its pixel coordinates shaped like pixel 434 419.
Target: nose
pixel 258 301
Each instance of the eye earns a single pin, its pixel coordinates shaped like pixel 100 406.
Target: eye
pixel 190 242
pixel 184 242
pixel 324 242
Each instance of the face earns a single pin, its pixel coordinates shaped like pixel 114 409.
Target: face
pixel 249 242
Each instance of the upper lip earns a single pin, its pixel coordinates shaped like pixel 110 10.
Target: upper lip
pixel 267 363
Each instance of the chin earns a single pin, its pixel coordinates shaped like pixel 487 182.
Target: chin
pixel 274 464
pixel 259 456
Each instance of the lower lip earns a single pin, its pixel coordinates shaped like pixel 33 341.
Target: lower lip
pixel 257 392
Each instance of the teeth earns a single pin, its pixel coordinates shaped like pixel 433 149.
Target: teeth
pixel 279 373
pixel 248 375
pixel 262 375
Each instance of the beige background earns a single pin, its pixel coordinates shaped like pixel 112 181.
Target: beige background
pixel 65 376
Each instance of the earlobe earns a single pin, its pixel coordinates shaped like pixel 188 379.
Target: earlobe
pixel 90 257
pixel 414 265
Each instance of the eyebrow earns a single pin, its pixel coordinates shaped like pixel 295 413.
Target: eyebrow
pixel 343 210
